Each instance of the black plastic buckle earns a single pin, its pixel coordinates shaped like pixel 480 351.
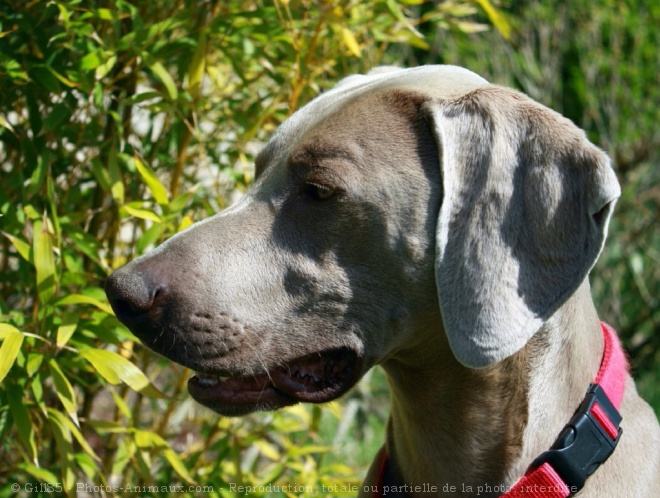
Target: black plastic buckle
pixel 583 444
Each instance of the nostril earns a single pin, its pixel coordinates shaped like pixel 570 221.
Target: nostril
pixel 124 308
pixel 130 295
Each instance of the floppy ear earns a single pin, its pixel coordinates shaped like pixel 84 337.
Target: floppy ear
pixel 526 205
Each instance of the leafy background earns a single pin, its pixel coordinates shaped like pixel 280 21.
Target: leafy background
pixel 121 122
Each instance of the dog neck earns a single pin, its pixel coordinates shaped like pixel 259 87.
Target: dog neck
pixel 453 427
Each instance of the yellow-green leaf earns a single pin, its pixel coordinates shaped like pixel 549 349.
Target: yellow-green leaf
pixel 6 124
pixel 161 73
pixel 6 329
pixel 121 404
pixel 83 299
pixel 186 221
pixel 33 363
pixel 44 260
pixel 42 475
pixel 75 432
pixel 158 190
pixel 62 432
pixel 114 367
pixel 11 345
pixel 37 388
pixel 178 465
pixel 197 65
pixel 497 18
pixel 148 440
pixel 66 328
pixel 23 248
pixel 350 42
pixel 144 214
pixel 64 391
pixel 64 80
pixel 101 365
pixel 267 449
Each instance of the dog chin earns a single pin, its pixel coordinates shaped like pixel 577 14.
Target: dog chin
pixel 314 378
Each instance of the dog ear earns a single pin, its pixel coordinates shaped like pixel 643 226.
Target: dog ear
pixel 526 205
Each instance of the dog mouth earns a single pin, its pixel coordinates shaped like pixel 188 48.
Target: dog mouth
pixel 315 378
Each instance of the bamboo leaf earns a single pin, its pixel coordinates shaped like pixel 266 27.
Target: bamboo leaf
pixel 351 43
pixel 148 440
pixel 64 442
pixel 197 66
pixel 497 18
pixel 83 299
pixel 6 329
pixel 178 465
pixel 75 432
pixel 64 391
pixel 115 368
pixel 66 328
pixel 141 213
pixel 158 190
pixel 23 248
pixel 42 475
pixel 11 345
pixel 186 221
pixel 161 73
pixel 44 260
pixel 6 124
pixel 62 79
pixel 33 363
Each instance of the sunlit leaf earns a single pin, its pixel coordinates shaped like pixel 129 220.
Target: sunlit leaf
pixel 161 73
pixel 350 42
pixel 157 189
pixel 74 431
pixel 11 345
pixel 115 368
pixel 144 214
pixel 82 299
pixel 66 328
pixel 497 18
pixel 186 221
pixel 178 465
pixel 23 248
pixel 6 124
pixel 42 475
pixel 62 432
pixel 197 65
pixel 44 260
pixel 63 79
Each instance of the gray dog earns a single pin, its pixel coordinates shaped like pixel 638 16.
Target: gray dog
pixel 442 227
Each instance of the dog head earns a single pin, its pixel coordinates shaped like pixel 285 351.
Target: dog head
pixel 391 200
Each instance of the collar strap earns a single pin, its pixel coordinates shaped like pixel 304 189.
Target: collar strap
pixel 588 439
pixel 584 444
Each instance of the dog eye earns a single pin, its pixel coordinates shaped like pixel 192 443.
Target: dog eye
pixel 320 192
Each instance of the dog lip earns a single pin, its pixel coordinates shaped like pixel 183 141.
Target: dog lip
pixel 317 378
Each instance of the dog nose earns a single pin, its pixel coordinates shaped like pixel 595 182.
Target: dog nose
pixel 130 296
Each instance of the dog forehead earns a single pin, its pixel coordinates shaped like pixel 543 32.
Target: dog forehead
pixel 441 82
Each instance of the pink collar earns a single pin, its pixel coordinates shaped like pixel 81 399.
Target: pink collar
pixel 583 445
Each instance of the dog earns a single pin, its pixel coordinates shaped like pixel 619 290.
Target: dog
pixel 443 228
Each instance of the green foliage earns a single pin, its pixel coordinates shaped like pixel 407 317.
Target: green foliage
pixel 120 123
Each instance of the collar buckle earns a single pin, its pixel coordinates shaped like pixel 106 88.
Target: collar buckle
pixel 585 443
